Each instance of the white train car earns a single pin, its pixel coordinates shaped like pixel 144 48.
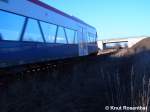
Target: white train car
pixel 32 31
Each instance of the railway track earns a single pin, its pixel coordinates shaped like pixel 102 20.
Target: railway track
pixel 28 71
pixel 36 67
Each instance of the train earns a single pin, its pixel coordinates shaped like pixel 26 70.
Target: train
pixel 32 31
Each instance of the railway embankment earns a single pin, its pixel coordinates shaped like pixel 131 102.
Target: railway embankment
pixel 87 86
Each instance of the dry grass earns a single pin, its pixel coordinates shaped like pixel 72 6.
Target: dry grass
pixel 87 86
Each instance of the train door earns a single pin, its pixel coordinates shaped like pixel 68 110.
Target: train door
pixel 82 39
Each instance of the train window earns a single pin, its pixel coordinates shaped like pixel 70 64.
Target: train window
pixel 70 36
pixel 10 26
pixel 75 37
pixel 49 31
pixel 61 38
pixel 91 37
pixel 32 32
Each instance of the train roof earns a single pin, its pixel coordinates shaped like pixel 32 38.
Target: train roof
pixel 42 4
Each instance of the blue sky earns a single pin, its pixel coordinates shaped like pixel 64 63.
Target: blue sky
pixel 111 18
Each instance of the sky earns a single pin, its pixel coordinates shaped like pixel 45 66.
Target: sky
pixel 111 18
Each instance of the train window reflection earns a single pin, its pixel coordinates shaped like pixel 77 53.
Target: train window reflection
pixel 70 35
pixel 32 32
pixel 61 36
pixel 10 26
pixel 49 31
pixel 91 37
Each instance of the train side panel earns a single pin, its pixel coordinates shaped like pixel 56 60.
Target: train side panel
pixel 14 52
